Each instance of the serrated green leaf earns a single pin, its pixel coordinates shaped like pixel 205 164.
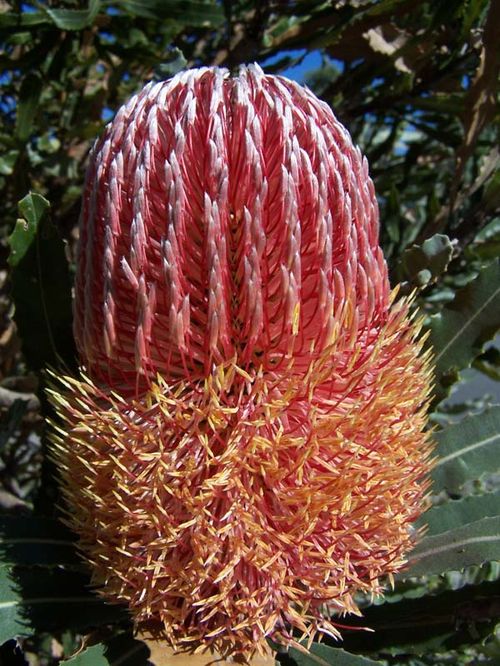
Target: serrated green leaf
pixel 41 287
pixel 34 599
pixel 33 540
pixel 29 98
pixel 467 449
pixel 74 19
pixel 455 513
pixel 455 549
pixel 122 649
pixel 92 656
pixel 459 331
pixel 325 655
pixel 489 362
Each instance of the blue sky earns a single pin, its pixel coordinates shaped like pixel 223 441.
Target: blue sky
pixel 311 61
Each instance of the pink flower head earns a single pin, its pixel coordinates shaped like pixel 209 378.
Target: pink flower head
pixel 246 447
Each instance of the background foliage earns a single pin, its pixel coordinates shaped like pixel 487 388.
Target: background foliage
pixel 417 84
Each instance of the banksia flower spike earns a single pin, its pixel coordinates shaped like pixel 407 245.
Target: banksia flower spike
pixel 244 449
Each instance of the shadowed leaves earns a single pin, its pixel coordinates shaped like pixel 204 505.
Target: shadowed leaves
pixel 41 287
pixel 38 599
pixel 430 624
pixel 459 331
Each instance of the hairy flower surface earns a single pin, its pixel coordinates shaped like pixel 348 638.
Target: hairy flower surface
pixel 245 448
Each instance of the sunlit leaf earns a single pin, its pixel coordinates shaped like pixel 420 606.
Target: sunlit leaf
pixel 92 656
pixel 455 513
pixel 33 207
pixel 467 450
pixel 455 549
pixel 321 654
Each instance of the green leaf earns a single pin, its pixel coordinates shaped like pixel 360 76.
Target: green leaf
pixel 489 362
pixel 74 19
pixel 323 654
pixel 467 450
pixel 41 287
pixel 455 513
pixel 125 650
pixel 455 549
pixel 122 649
pixel 170 67
pixel 36 593
pixel 29 98
pixel 92 656
pixel 490 232
pixel 422 263
pixel 427 624
pixel 35 599
pixel 7 162
pixel 22 20
pixel 459 331
pixel 33 207
pixel 33 540
pixel 186 12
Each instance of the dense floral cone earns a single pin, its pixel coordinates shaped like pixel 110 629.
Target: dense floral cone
pixel 245 448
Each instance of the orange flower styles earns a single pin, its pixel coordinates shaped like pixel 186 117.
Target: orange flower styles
pixel 245 447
